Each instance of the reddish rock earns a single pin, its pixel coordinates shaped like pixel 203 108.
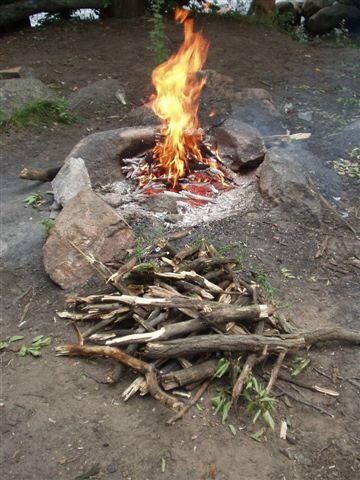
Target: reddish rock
pixel 93 226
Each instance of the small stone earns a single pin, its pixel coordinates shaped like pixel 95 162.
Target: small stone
pixel 307 116
pixel 240 144
pixel 160 203
pixel 173 218
pixel 112 468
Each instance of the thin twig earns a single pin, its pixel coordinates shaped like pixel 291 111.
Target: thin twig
pixel 187 407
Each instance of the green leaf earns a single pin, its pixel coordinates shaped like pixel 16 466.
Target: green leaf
pixel 226 410
pixel 257 435
pixel 302 365
pixel 232 429
pixel 3 345
pixel 222 367
pixel 163 465
pixel 268 419
pixel 23 351
pixel 256 416
pixel 287 274
pixel 15 338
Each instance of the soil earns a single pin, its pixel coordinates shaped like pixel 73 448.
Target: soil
pixel 57 420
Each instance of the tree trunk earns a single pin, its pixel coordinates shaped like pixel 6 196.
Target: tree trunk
pixel 261 8
pixel 127 8
pixel 18 12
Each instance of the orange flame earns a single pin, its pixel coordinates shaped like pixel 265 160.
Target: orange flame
pixel 178 87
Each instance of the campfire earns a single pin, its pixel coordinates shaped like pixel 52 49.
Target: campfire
pixel 179 316
pixel 183 159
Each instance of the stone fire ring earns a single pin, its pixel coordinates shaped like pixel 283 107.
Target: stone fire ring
pixel 88 225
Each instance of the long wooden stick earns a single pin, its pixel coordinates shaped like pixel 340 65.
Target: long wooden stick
pixel 132 362
pixel 221 342
pixel 250 343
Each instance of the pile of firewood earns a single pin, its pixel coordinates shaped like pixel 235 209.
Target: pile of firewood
pixel 171 314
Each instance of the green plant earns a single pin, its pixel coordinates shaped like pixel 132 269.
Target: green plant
pixel 222 367
pixel 222 402
pixel 47 224
pixel 259 401
pixel 36 199
pixel 341 35
pixel 262 279
pixel 36 346
pixel 286 273
pixel 40 112
pixel 299 33
pixel 298 365
pixel 158 39
pixel 349 167
pixel 14 338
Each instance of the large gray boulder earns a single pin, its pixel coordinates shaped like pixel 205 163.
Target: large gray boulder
pixel 90 224
pixel 331 17
pixel 312 6
pixel 16 92
pixel 102 151
pixel 284 184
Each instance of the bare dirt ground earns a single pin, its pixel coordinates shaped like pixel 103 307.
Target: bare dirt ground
pixel 57 421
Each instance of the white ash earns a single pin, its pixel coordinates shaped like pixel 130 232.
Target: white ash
pixel 127 200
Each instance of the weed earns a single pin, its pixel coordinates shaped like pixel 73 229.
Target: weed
pixel 258 435
pixel 287 274
pixel 36 199
pixel 349 167
pixel 40 112
pixel 341 35
pixel 259 401
pixel 299 34
pixel 158 39
pixel 222 402
pixel 14 338
pixel 262 279
pixel 36 346
pixel 298 365
pixel 222 367
pixel 47 224
pixel 163 465
pixel 144 245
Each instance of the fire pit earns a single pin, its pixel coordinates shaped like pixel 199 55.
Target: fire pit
pixel 176 175
pixel 184 163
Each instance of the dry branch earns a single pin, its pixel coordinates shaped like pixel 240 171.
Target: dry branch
pixel 184 310
pixel 132 362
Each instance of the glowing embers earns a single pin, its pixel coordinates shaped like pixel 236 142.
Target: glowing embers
pixel 204 179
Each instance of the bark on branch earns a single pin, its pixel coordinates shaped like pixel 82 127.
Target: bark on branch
pixel 18 11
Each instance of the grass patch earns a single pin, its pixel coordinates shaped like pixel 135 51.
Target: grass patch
pixel 39 112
